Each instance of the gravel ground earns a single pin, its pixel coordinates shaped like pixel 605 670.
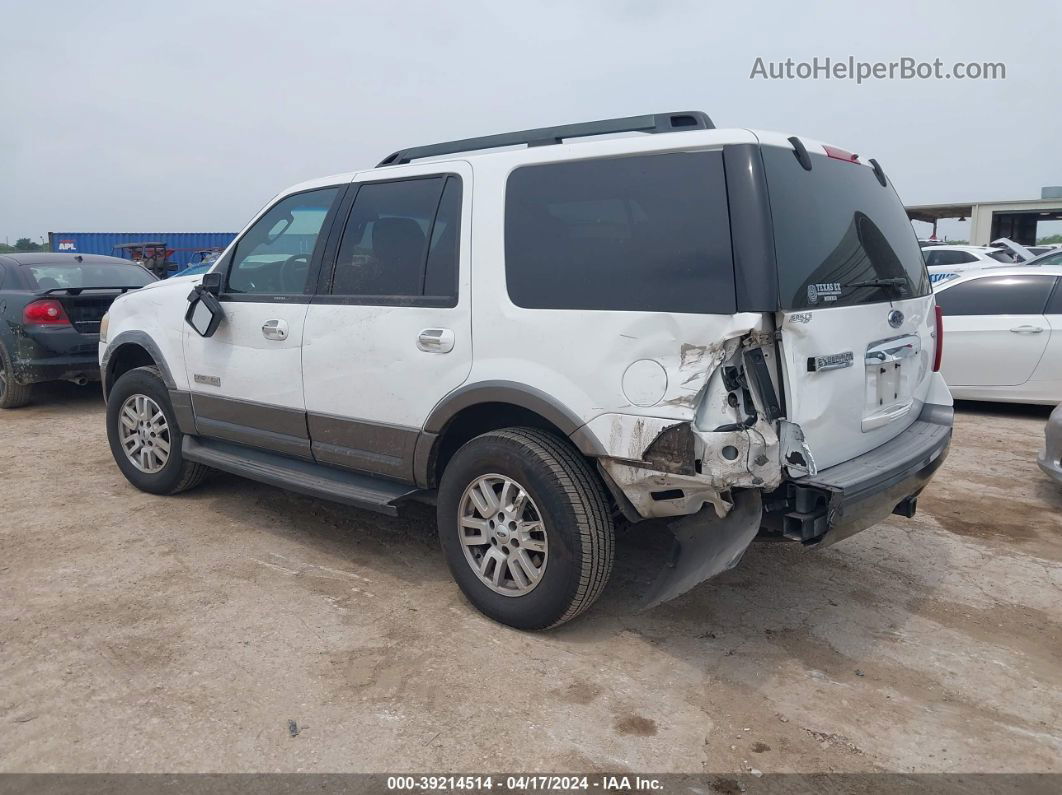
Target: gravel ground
pixel 140 633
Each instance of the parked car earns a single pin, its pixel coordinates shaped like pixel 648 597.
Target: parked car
pixel 1050 459
pixel 202 261
pixel 947 261
pixel 50 310
pixel 727 329
pixel 1004 329
pixel 1017 251
pixel 1046 248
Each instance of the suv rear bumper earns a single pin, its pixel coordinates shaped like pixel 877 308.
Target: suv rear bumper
pixel 840 501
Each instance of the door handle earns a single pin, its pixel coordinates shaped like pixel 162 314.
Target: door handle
pixel 275 330
pixel 1027 330
pixel 436 340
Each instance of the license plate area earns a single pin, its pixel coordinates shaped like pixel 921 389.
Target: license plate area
pixel 890 374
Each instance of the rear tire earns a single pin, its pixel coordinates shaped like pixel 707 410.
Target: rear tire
pixel 144 437
pixel 12 394
pixel 545 495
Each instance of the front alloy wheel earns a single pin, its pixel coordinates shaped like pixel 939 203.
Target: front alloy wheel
pixel 144 434
pixel 503 534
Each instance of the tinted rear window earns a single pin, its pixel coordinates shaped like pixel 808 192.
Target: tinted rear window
pixel 647 233
pixel 1002 256
pixel 51 276
pixel 834 227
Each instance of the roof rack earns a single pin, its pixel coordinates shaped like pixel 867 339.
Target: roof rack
pixel 544 136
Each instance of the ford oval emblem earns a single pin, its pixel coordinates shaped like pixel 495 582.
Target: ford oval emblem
pixel 896 318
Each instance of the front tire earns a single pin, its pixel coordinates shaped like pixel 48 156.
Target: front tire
pixel 12 394
pixel 525 527
pixel 144 437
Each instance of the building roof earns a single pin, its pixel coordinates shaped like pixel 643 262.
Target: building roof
pixel 934 212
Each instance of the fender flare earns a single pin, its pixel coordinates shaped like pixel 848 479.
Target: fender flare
pixel 143 340
pixel 513 393
pixel 522 395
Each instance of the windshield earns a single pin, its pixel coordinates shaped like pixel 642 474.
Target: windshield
pixel 88 275
pixel 841 238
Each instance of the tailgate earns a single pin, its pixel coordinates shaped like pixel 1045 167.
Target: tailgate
pixel 853 380
pixel 856 308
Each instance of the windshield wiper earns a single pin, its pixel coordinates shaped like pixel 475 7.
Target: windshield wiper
pixel 896 282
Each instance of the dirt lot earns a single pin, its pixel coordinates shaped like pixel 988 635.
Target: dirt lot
pixel 140 633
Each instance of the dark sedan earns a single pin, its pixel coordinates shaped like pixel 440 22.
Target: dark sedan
pixel 50 311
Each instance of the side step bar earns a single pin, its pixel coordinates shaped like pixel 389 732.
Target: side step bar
pixel 304 477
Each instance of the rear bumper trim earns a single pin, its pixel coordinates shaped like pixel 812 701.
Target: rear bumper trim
pixel 842 500
pixel 56 368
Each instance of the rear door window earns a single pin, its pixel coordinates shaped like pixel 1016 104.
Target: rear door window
pixel 837 230
pixel 997 295
pixel 1054 304
pixel 954 258
pixel 648 233
pixel 401 241
pixel 1002 256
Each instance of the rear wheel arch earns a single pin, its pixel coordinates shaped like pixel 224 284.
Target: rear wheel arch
pixel 481 408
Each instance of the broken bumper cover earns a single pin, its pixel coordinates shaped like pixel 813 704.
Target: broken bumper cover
pixel 840 501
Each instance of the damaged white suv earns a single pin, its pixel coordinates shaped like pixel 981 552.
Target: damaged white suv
pixel 728 328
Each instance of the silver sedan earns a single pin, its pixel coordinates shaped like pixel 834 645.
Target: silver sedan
pixel 1050 459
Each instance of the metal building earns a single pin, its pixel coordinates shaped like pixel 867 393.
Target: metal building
pixel 990 221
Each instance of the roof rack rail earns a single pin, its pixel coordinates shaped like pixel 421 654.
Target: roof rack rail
pixel 544 136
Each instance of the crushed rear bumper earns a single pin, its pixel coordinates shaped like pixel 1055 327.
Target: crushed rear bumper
pixel 837 502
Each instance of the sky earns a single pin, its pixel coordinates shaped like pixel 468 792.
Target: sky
pixel 189 116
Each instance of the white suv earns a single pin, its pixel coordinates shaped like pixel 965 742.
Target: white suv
pixel 730 329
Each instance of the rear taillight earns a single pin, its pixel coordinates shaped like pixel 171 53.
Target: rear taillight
pixel 938 336
pixel 46 312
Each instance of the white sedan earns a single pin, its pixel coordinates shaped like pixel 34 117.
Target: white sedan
pixel 946 262
pixel 1003 334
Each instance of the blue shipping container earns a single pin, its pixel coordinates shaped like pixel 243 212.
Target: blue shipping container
pixel 183 244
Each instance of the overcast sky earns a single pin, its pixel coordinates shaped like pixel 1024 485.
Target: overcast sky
pixel 188 116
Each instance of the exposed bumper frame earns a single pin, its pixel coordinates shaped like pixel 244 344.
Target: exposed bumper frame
pixel 840 501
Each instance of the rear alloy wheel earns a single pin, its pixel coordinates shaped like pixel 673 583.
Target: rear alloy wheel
pixel 12 393
pixel 503 535
pixel 525 527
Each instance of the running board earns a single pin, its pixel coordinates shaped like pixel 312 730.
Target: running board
pixel 304 477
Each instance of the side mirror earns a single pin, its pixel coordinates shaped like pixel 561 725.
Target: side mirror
pixel 204 313
pixel 212 283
